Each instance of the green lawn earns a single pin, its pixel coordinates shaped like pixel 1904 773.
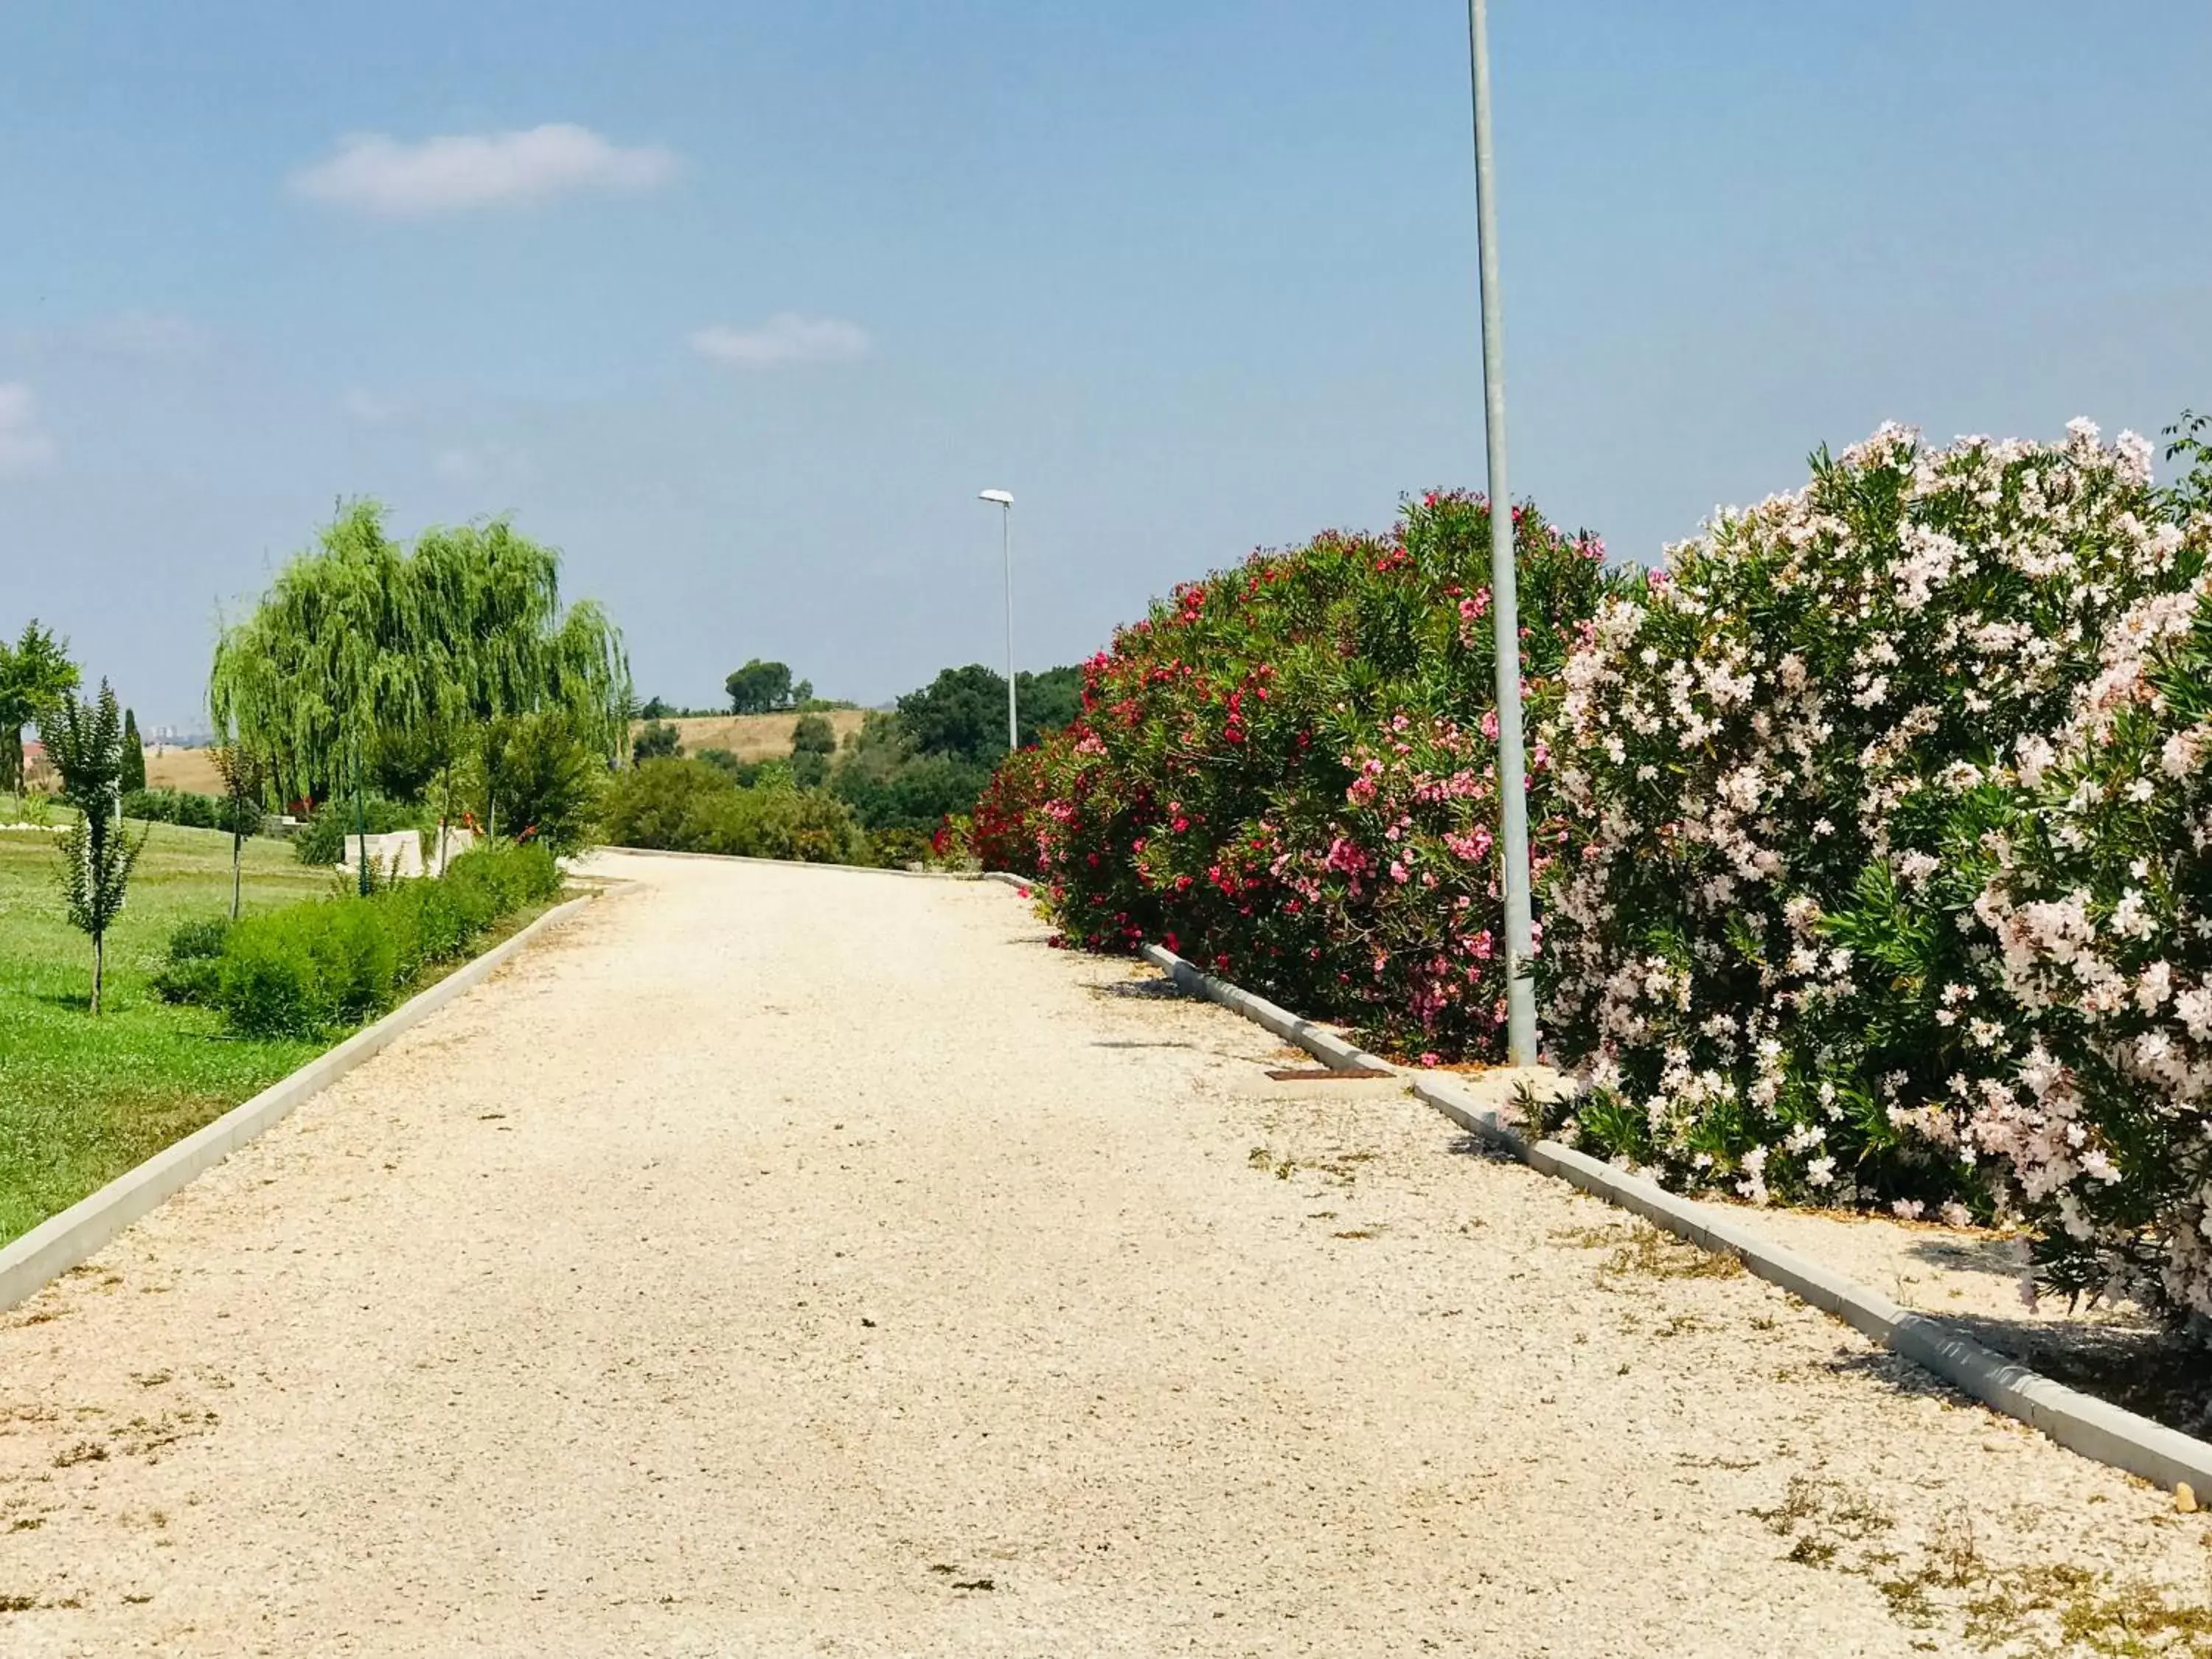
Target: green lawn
pixel 83 1100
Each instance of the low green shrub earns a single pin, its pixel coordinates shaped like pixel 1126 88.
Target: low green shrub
pixel 506 878
pixel 305 970
pixel 780 821
pixel 194 810
pixel 653 803
pixel 898 847
pixel 194 968
pixel 310 968
pixel 544 780
pixel 656 740
pixel 693 806
pixel 744 774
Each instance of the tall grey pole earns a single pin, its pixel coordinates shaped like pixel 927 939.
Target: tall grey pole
pixel 1007 523
pixel 1505 609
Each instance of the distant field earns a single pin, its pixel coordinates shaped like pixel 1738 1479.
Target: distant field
pixel 748 736
pixel 754 737
pixel 182 768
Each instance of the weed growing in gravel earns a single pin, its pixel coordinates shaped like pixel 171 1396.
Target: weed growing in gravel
pixel 1654 1255
pixel 1260 1158
pixel 1821 1517
pixel 1641 1250
pixel 2034 1611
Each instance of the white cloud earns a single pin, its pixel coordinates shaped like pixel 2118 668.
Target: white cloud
pixel 458 466
pixel 154 334
pixel 25 448
pixel 380 175
pixel 785 337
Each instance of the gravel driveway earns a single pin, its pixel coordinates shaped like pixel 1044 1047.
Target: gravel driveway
pixel 789 1262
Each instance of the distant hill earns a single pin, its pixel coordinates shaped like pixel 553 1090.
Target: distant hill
pixel 752 737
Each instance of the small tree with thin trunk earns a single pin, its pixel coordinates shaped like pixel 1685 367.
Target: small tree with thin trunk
pixel 35 674
pixel 244 780
pixel 85 742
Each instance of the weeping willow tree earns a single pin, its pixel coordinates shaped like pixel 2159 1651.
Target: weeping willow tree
pixel 509 648
pixel 359 642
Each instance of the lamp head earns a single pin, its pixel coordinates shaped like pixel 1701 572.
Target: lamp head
pixel 998 497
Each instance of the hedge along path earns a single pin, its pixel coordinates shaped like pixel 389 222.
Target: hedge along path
pixel 781 1259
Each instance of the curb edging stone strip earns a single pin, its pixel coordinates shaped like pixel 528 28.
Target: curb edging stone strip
pixel 2095 1428
pixel 61 1242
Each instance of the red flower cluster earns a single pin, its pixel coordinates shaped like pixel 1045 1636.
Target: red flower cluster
pixel 1279 772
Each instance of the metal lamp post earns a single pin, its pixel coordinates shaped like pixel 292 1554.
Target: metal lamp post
pixel 1505 611
pixel 1005 502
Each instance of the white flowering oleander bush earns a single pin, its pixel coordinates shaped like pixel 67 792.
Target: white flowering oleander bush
pixel 2099 1126
pixel 1783 765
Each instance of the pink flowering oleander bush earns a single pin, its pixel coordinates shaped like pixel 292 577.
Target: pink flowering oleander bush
pixel 1285 772
pixel 1782 767
pixel 2099 1121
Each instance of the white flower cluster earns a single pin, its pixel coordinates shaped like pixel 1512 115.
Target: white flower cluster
pixel 1785 769
pixel 2100 901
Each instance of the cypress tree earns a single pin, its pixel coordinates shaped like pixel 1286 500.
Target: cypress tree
pixel 134 754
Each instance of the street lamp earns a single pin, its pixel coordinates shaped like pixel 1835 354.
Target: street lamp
pixel 1004 502
pixel 1505 611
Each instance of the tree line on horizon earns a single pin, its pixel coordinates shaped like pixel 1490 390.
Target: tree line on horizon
pixel 885 788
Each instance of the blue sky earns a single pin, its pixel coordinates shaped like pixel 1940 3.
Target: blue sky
pixel 1187 275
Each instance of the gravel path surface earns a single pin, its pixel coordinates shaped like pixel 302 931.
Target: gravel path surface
pixel 789 1262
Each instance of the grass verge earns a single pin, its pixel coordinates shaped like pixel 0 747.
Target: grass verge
pixel 83 1100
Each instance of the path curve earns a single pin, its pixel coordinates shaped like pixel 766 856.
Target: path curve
pixel 785 1260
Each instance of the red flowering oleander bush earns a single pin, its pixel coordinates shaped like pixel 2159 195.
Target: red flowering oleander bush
pixel 1285 772
pixel 1005 828
pixel 1788 761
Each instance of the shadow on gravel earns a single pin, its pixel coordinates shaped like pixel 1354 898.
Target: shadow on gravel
pixel 1143 990
pixel 1998 1257
pixel 1468 1145
pixel 2134 1363
pixel 1895 1372
pixel 2138 1366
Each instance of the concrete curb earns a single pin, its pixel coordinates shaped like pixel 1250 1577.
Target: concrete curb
pixel 1314 1039
pixel 60 1241
pixel 2095 1428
